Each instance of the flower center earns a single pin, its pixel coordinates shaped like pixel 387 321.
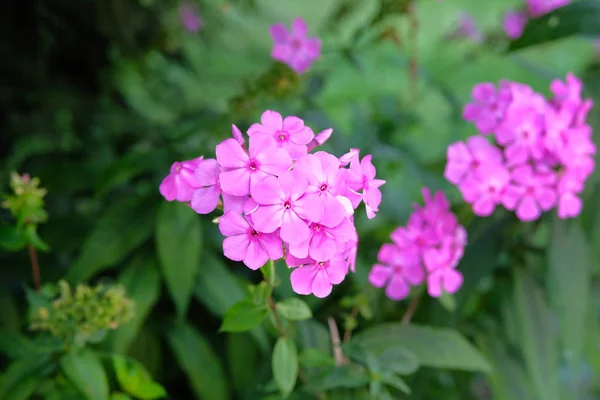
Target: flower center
pixel 177 167
pixel 316 227
pixel 475 164
pixel 254 233
pixel 296 44
pixel 287 205
pixel 321 263
pixel 323 187
pixel 281 136
pixel 252 166
pixel 530 189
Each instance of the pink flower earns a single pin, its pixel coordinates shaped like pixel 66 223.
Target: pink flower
pixel 537 8
pixel 442 276
pixel 206 197
pixel 242 170
pixel 361 177
pixel 521 135
pixel 244 243
pixel 569 203
pixel 323 242
pixel 282 204
pixel 180 184
pixel 351 251
pixel 514 23
pixel 318 277
pixel 320 139
pixel 490 188
pixel 395 272
pixel 489 107
pixel 537 192
pixel 290 133
pixel 468 29
pixel 465 160
pixel 189 18
pixel 295 48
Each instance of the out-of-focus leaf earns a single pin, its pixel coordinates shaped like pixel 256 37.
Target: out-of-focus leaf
pixel 538 340
pixel 578 18
pixel 345 376
pixel 243 316
pixel 22 377
pixel 34 239
pixel 396 382
pixel 85 371
pixel 313 358
pixel 10 316
pixel 285 365
pixel 179 245
pixel 121 229
pixel 199 361
pixel 135 380
pixel 399 360
pixel 240 346
pixel 508 380
pixel 313 334
pixel 14 345
pixel 141 280
pixel 120 396
pixel 434 347
pixel 569 289
pixel 11 238
pixel 294 309
pixel 447 301
pixel 358 15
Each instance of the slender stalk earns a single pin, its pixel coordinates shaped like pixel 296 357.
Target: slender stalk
pixel 410 311
pixel 348 332
pixel 338 354
pixel 278 323
pixel 35 268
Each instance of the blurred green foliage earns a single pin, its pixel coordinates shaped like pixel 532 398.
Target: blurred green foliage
pixel 101 97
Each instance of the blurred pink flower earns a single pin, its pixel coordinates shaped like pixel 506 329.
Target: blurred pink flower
pixel 295 48
pixel 189 17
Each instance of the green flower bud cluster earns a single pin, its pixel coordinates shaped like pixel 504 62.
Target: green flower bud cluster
pixel 84 314
pixel 27 202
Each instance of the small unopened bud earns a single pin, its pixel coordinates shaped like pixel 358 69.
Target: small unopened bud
pixel 320 138
pixel 237 135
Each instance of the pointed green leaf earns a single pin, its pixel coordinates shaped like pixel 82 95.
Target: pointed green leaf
pixel 285 365
pixel 345 376
pixel 199 361
pixel 85 371
pixel 396 382
pixel 294 309
pixel 135 380
pixel 179 246
pixel 243 316
pixel 20 379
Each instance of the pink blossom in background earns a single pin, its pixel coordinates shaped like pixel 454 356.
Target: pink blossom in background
pixel 277 199
pixel 180 184
pixel 189 17
pixel 537 8
pixel 295 48
pixel 467 29
pixel 545 146
pixel 514 23
pixel 428 249
pixel 489 108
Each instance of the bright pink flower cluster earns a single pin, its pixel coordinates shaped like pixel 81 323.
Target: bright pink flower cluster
pixel 278 199
pixel 428 248
pixel 542 155
pixel 515 21
pixel 295 48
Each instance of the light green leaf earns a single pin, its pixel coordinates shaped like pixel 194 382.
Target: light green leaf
pixel 313 358
pixel 345 376
pixel 294 309
pixel 285 365
pixel 135 380
pixel 538 341
pixel 447 301
pixel 569 289
pixel 396 382
pixel 434 347
pixel 243 316
pixel 199 361
pixel 125 225
pixel 85 371
pixel 22 377
pixel 141 280
pixel 120 396
pixel 179 246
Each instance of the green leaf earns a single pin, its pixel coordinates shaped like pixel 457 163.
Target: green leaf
pixel 345 376
pixel 15 345
pixel 120 396
pixel 447 301
pixel 313 358
pixel 22 377
pixel 135 380
pixel 399 359
pixel 141 280
pixel 578 18
pixel 199 361
pixel 537 339
pixel 294 309
pixel 285 365
pixel 240 346
pixel 396 382
pixel 11 238
pixel 179 246
pixel 569 289
pixel 260 293
pixel 34 239
pixel 85 371
pixel 268 271
pixel 243 316
pixel 434 347
pixel 127 224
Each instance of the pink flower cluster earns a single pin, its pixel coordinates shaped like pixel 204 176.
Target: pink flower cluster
pixel 295 48
pixel 428 248
pixel 542 155
pixel 515 21
pixel 280 200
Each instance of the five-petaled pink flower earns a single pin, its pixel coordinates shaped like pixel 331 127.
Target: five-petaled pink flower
pixel 318 277
pixel 244 243
pixel 295 48
pixel 489 107
pixel 289 133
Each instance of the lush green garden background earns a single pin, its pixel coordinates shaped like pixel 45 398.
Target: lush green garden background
pixel 99 98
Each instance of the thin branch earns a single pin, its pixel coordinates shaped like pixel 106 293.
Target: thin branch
pixel 276 317
pixel 35 268
pixel 410 311
pixel 338 354
pixel 353 315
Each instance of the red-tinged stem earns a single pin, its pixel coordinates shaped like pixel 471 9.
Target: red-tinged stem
pixel 410 311
pixel 35 268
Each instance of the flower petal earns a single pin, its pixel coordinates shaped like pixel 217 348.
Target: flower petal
pixel 204 200
pixel 379 275
pixel 235 182
pixel 233 223
pixel 256 256
pixel 230 154
pixel 267 219
pixel 302 278
pixel 236 247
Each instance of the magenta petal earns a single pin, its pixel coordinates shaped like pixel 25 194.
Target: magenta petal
pixel 272 245
pixel 294 184
pixel 256 256
pixel 434 284
pixel 337 270
pixel 204 200
pixel 168 189
pixel 293 229
pixel 235 203
pixel 230 154
pixel 302 278
pixel 379 275
pixel 397 288
pixel 322 247
pixel 233 223
pixel 334 212
pixel 299 28
pixel 267 219
pixel 207 173
pixel 309 207
pixel 274 161
pixel 312 47
pixel 528 209
pixel 272 119
pixel 235 182
pixel 300 249
pixel 415 275
pixel 279 33
pixel 236 247
pixel 321 286
pixel 268 191
pixel 282 52
pixel 452 280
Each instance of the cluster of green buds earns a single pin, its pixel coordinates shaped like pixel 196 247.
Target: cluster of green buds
pixel 80 315
pixel 26 205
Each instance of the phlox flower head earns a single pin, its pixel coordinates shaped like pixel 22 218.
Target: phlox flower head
pixel 278 199
pixel 294 47
pixel 189 17
pixel 428 248
pixel 541 155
